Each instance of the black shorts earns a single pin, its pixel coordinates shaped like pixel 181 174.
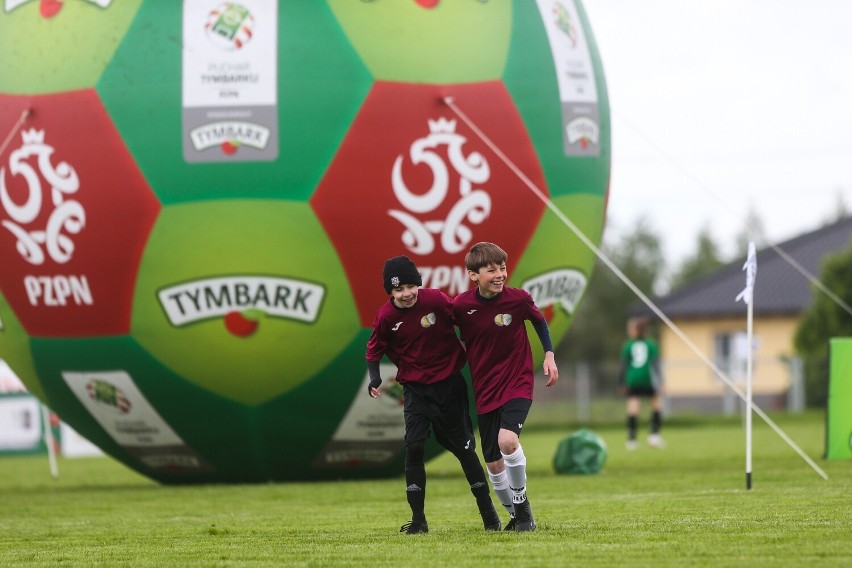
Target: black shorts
pixel 510 416
pixel 642 391
pixel 445 407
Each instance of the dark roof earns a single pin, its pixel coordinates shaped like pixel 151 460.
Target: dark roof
pixel 779 289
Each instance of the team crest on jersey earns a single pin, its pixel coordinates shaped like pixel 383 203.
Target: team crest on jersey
pixel 428 320
pixel 503 319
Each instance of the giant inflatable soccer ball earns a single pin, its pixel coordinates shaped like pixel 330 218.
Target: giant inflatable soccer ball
pixel 197 196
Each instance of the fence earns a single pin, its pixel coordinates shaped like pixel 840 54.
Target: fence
pixel 589 392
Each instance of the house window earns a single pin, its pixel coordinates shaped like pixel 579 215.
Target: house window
pixel 730 351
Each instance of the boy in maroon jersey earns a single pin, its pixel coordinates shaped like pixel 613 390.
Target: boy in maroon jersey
pixel 491 319
pixel 415 329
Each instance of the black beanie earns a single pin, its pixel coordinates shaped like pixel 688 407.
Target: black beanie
pixel 400 270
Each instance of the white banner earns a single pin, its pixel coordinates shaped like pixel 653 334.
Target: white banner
pixel 20 423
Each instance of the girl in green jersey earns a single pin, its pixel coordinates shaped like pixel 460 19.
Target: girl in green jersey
pixel 640 372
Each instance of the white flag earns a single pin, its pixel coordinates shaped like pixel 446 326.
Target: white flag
pixel 750 267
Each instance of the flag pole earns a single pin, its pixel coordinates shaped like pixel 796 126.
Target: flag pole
pixel 750 344
pixel 747 296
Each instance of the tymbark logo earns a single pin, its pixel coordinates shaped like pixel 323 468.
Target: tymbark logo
pixel 216 297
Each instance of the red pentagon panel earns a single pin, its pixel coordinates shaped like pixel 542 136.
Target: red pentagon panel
pixel 411 178
pixel 75 213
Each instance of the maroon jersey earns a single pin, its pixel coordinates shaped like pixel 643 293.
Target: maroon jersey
pixel 498 350
pixel 421 341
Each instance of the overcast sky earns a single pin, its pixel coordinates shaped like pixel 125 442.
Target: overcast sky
pixel 722 106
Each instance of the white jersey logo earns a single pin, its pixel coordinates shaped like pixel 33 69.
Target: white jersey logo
pixel 396 327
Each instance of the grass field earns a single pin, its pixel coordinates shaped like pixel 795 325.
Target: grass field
pixel 685 505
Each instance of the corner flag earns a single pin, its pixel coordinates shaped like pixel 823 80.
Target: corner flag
pixel 747 296
pixel 750 267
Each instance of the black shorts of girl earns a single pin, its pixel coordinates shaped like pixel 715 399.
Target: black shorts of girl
pixel 642 391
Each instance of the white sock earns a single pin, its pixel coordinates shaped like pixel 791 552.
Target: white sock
pixel 500 483
pixel 516 471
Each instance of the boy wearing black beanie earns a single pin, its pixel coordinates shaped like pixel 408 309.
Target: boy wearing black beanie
pixel 415 329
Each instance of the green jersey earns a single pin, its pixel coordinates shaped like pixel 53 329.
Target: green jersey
pixel 640 360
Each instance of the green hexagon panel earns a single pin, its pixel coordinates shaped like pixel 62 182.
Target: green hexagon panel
pixel 50 47
pixel 429 42
pixel 245 298
pixel 204 122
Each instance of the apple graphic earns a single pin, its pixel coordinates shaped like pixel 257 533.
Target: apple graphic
pixel 229 147
pixel 242 324
pixel 49 8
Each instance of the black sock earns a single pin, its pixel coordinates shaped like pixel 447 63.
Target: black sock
pixel 475 476
pixel 655 422
pixel 415 491
pixel 415 479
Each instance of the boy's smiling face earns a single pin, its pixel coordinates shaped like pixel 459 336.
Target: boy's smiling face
pixel 405 295
pixel 490 279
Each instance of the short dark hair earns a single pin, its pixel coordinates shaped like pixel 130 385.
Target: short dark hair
pixel 484 254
